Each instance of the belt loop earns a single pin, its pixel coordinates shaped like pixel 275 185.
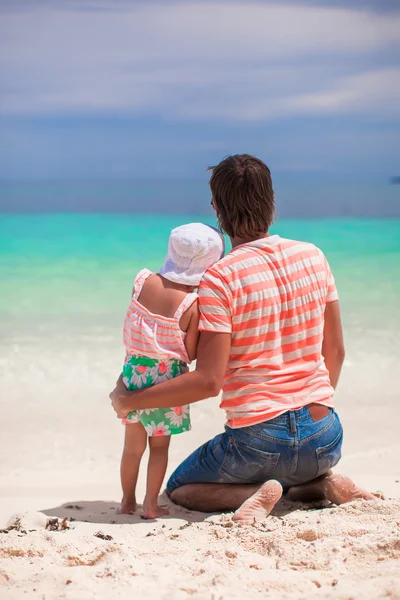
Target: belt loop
pixel 292 420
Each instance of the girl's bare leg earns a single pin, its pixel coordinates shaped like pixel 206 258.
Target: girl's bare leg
pixel 156 470
pixel 134 446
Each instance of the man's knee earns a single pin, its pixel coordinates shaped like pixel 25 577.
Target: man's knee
pixel 178 495
pixel 174 495
pixel 183 495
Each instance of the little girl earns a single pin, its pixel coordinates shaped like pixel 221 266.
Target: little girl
pixel 160 337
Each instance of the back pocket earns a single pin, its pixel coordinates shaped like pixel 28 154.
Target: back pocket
pixel 328 456
pixel 243 464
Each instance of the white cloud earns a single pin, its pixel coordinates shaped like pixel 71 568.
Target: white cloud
pixel 364 92
pixel 376 92
pixel 194 60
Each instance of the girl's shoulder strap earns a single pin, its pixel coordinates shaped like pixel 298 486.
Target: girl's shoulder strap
pixel 139 281
pixel 185 304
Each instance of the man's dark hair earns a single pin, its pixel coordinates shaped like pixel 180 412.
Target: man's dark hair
pixel 241 187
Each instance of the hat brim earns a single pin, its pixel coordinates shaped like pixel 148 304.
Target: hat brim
pixel 181 277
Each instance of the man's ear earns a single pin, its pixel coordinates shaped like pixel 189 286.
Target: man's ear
pixel 215 207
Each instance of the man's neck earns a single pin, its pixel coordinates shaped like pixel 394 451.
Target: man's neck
pixel 238 241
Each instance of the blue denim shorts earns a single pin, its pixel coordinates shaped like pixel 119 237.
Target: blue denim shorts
pixel 291 448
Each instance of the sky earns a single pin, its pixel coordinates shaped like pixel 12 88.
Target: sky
pixel 121 89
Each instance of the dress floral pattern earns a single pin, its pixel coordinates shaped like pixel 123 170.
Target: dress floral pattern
pixel 141 372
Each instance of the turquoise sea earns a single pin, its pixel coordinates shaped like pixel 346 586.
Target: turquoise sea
pixel 65 283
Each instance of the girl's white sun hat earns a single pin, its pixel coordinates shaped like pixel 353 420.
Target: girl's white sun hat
pixel 192 249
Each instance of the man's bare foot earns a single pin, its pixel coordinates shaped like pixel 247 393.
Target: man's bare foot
pixel 312 491
pixel 339 489
pixel 127 508
pixel 260 504
pixel 151 510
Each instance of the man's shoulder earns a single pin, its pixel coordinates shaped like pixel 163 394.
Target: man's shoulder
pixel 217 269
pixel 217 276
pixel 298 246
pixel 225 267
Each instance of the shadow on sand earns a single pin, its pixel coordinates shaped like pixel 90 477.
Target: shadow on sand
pixel 100 511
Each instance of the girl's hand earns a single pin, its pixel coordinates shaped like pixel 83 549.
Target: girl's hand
pixel 119 397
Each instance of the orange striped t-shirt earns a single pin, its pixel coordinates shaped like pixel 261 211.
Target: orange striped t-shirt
pixel 270 295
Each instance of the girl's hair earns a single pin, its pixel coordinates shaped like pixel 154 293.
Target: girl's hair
pixel 241 188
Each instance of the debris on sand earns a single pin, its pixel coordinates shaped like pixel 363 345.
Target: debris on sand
pixel 14 526
pixel 103 536
pixel 58 524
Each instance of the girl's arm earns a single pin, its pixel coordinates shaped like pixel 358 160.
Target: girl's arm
pixel 206 381
pixel 192 333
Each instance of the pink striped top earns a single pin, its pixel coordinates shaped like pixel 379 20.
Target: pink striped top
pixel 270 295
pixel 151 335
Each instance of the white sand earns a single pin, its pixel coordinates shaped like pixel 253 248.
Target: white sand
pixel 65 451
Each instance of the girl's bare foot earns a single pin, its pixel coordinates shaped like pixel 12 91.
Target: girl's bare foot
pixel 260 504
pixel 127 508
pixel 151 510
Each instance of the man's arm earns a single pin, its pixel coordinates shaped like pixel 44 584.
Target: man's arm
pixel 332 345
pixel 206 381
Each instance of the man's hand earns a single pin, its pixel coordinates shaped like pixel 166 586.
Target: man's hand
pixel 204 382
pixel 117 397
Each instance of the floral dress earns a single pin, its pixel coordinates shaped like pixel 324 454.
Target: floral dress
pixel 141 372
